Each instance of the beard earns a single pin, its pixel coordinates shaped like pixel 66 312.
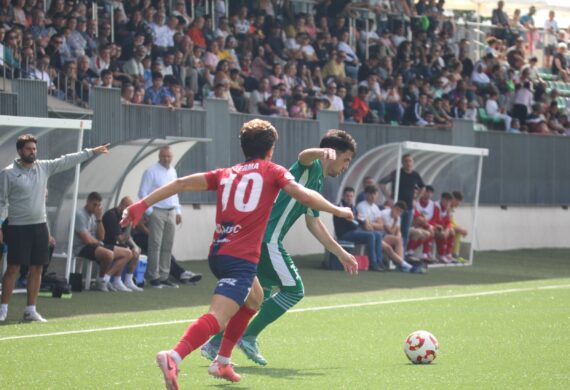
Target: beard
pixel 28 159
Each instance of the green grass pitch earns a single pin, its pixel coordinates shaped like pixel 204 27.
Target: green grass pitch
pixel 502 324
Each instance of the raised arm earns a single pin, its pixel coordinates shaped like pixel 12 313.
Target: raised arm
pixel 314 200
pixel 321 233
pixel 192 183
pixel 307 156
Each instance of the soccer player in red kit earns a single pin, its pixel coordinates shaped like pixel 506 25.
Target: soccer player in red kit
pixel 245 195
pixel 444 233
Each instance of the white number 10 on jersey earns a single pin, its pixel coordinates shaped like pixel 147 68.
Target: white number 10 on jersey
pixel 239 195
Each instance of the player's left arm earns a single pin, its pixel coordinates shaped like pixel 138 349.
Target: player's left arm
pixel 191 183
pixel 308 156
pixel 321 233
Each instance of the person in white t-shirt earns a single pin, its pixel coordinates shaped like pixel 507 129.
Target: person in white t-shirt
pixel 550 39
pixel 393 245
pixel 336 102
pixel 386 221
pixel 493 110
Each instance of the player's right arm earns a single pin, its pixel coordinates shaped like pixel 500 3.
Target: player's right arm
pixel 307 156
pixel 190 183
pixel 314 200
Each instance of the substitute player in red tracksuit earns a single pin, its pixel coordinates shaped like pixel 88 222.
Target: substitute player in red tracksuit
pixel 444 233
pixel 245 195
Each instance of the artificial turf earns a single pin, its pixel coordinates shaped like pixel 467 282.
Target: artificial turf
pixel 501 324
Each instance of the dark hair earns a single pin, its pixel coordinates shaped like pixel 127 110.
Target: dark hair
pixel 362 89
pixel 338 140
pixel 24 139
pixel 446 195
pixel 429 188
pixel 457 195
pixel 156 75
pixel 105 72
pixel 257 137
pixel 405 156
pixel 401 205
pixel 94 197
pixel 347 189
pixel 370 189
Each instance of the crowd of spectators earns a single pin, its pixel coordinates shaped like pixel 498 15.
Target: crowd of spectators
pixel 404 65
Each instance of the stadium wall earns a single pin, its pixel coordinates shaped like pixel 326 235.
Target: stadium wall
pixel 498 229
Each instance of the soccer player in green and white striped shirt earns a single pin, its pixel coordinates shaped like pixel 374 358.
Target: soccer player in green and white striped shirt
pixel 276 268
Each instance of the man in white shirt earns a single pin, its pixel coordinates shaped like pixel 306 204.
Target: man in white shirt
pixel 336 102
pixel 494 111
pixel 550 38
pixel 387 221
pixel 162 219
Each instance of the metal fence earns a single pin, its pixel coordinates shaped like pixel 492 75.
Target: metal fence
pixel 520 169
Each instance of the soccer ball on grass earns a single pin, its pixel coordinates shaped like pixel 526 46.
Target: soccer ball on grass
pixel 421 347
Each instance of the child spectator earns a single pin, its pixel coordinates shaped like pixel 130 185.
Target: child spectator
pixel 360 109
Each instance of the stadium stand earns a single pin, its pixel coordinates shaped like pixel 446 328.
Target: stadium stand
pixel 398 53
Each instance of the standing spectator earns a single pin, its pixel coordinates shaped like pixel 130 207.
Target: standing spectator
pixel 116 236
pixel 500 20
pixel 88 244
pixel 23 185
pixel 411 187
pixel 522 104
pixel 163 218
pixel 359 232
pixel 550 38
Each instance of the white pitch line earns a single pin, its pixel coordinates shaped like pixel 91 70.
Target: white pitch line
pixel 308 309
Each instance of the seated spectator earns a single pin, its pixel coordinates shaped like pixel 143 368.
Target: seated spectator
pixel 221 91
pixel 116 236
pixel 88 243
pixel 157 93
pixel 460 109
pixel 494 111
pixel 259 66
pixel 359 232
pixel 560 63
pixel 102 60
pixel 351 61
pixel 360 110
pixel 515 127
pixel 138 96
pixel 553 119
pixel 299 108
pixel 106 79
pixel 370 215
pixel 127 93
pixel 134 66
pixel 536 119
pixel 237 90
pixel 415 113
pixel 335 67
pixel 195 32
pixel 276 104
pixel 392 243
pixel 259 96
pixel 440 117
pixel 336 103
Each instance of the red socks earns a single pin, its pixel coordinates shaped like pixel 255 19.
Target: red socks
pixel 197 334
pixel 234 330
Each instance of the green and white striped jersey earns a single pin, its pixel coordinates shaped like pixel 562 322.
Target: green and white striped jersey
pixel 287 210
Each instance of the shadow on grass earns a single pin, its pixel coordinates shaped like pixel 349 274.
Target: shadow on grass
pixel 282 373
pixel 488 268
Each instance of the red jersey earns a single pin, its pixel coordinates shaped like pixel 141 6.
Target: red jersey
pixel 245 195
pixel 441 216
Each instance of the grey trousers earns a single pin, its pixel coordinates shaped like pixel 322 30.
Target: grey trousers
pixel 161 226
